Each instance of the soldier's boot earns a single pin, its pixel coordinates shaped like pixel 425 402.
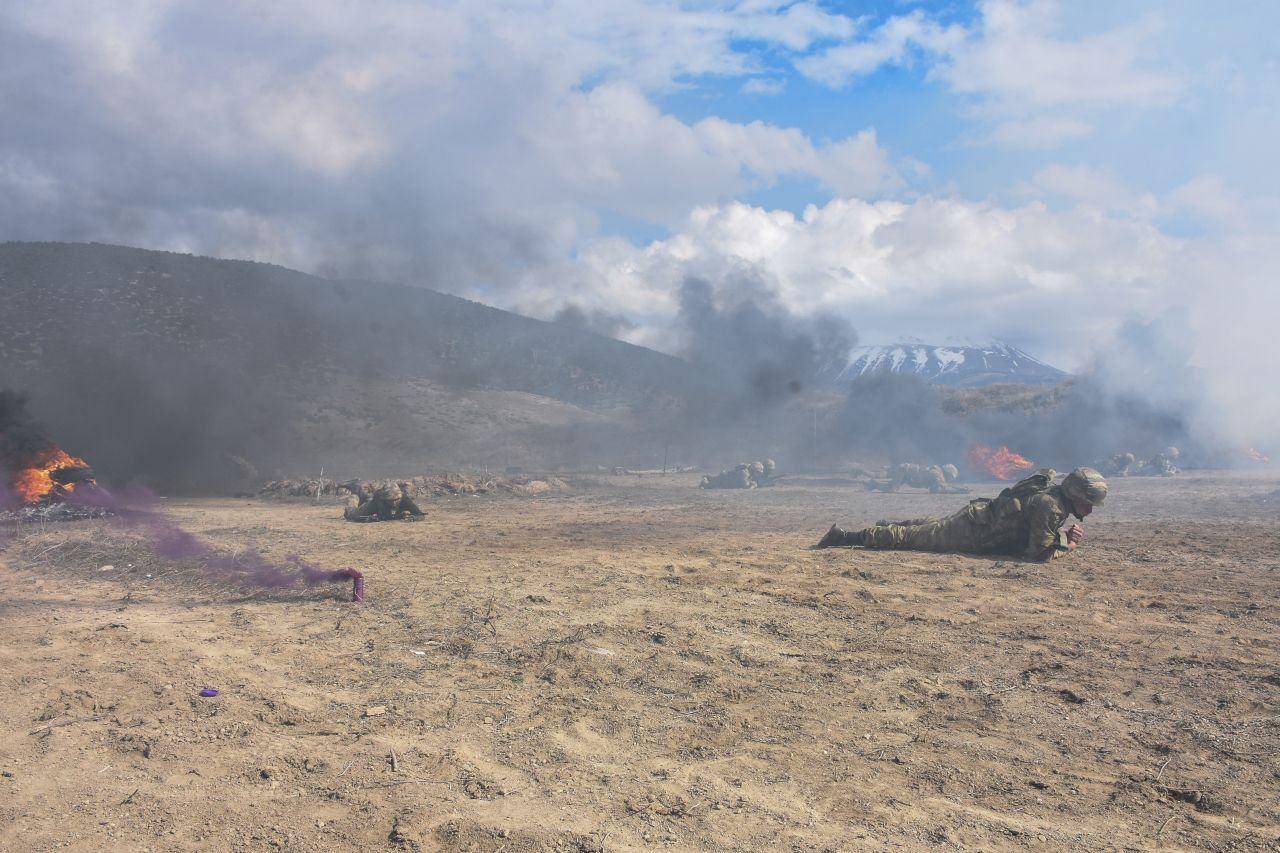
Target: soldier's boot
pixel 838 537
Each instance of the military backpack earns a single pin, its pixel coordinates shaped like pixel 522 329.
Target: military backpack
pixel 1011 499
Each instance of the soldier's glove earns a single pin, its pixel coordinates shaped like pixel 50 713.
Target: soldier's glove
pixel 1063 545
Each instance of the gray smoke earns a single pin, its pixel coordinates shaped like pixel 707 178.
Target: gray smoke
pixel 754 351
pixel 596 321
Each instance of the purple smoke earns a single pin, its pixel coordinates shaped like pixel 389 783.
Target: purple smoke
pixel 138 509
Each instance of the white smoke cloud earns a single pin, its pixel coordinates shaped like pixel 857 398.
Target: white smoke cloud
pixel 477 148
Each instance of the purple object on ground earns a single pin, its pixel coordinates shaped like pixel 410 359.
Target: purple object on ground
pixel 357 588
pixel 209 692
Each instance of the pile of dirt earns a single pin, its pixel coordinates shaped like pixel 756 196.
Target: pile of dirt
pixel 426 485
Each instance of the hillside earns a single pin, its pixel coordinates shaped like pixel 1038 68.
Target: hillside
pixel 164 365
pixel 959 366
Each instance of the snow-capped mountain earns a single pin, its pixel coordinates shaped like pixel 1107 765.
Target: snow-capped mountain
pixel 964 366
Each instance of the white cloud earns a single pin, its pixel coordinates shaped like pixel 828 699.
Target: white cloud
pixel 448 142
pixel 1039 132
pixel 1022 72
pixel 889 44
pixel 1017 55
pixel 475 148
pixel 764 86
pixel 1209 198
pixel 1090 187
pixel 934 267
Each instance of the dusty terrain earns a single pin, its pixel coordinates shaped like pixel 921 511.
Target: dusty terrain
pixel 642 665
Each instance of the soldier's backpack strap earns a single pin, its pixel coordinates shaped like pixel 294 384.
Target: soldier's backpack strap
pixel 1014 498
pixel 1038 482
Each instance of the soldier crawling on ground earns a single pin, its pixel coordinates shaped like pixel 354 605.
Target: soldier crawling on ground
pixel 935 478
pixel 744 475
pixel 1127 465
pixel 1120 465
pixel 1162 464
pixel 1025 519
pixel 386 502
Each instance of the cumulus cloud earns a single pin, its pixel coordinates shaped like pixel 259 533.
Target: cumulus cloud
pixel 1018 54
pixel 483 148
pixel 1059 281
pixel 1090 187
pixel 895 42
pixel 938 266
pixel 447 143
pixel 1039 132
pixel 1036 83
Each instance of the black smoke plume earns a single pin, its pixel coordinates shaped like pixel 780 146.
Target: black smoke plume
pixel 21 440
pixel 758 366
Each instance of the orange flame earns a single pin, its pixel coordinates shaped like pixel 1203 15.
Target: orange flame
pixel 1000 463
pixel 36 481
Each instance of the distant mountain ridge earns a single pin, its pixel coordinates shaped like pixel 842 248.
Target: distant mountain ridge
pixel 165 365
pixel 957 366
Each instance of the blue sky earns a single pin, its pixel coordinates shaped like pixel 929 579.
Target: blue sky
pixel 1038 171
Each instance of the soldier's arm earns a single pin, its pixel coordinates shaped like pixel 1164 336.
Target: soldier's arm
pixel 1044 542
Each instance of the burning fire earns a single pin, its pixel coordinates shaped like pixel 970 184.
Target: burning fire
pixel 35 482
pixel 1000 463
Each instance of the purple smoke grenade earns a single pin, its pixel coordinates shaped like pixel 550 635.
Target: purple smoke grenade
pixel 209 692
pixel 357 587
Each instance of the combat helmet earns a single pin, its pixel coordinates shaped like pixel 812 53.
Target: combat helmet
pixel 388 492
pixel 756 468
pixel 1086 485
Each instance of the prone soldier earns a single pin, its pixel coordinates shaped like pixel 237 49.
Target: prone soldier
pixel 1024 519
pixel 935 478
pixel 388 502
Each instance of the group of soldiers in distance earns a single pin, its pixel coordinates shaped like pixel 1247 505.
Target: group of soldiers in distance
pixel 1162 464
pixel 1025 519
pixel 754 475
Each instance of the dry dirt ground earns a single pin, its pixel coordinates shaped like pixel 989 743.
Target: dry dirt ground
pixel 643 665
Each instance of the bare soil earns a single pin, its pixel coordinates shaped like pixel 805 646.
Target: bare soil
pixel 643 665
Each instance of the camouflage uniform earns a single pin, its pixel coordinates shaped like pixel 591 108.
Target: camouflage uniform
pixel 744 475
pixel 1120 465
pixel 388 503
pixel 1024 520
pixel 983 527
pixel 1161 465
pixel 761 473
pixel 931 477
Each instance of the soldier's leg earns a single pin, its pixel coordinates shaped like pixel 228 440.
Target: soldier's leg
pixel 357 510
pixel 909 537
pixel 837 537
pixel 365 512
pixel 409 507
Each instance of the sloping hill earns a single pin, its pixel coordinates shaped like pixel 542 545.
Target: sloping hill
pixel 165 365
